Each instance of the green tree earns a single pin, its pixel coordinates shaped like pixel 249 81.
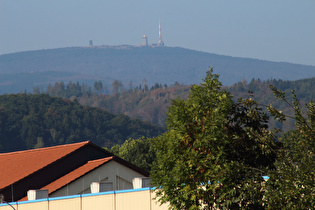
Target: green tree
pixel 139 152
pixel 292 184
pixel 214 152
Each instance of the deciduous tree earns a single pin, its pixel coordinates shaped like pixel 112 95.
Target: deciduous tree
pixel 140 152
pixel 292 184
pixel 214 152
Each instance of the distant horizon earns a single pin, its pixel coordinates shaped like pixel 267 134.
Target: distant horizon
pixel 247 29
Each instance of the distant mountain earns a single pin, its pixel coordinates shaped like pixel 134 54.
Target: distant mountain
pixel 165 65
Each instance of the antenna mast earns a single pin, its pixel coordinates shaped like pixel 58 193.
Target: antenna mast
pixel 160 43
pixel 160 30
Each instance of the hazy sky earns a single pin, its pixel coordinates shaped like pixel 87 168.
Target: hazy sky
pixel 276 30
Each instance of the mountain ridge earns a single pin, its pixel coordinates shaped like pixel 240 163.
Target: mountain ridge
pixel 128 63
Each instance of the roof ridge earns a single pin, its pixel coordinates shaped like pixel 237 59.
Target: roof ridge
pixel 44 148
pixel 102 159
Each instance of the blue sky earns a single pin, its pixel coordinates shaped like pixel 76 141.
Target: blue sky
pixel 278 30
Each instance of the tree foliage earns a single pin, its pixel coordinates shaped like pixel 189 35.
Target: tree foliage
pixel 215 151
pixel 140 152
pixel 246 151
pixel 29 121
pixel 151 105
pixel 292 184
pixel 304 88
pixel 136 102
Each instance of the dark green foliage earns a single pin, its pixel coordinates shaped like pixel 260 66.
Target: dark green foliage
pixel 29 121
pixel 215 151
pixel 140 152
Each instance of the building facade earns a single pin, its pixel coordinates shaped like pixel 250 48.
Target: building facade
pixel 63 170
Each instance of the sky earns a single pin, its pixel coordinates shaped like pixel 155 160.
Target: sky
pixel 274 30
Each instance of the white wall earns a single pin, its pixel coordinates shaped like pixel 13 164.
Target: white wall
pixel 120 175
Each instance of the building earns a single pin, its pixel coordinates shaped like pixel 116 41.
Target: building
pixel 144 40
pixel 134 199
pixel 63 170
pixel 160 43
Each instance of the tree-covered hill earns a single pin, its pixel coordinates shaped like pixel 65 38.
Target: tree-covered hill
pixel 260 90
pixel 30 121
pixel 144 103
pixel 130 63
pixel 151 103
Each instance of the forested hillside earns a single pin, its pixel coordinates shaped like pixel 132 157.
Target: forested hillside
pixel 260 90
pixel 31 121
pixel 144 103
pixel 151 103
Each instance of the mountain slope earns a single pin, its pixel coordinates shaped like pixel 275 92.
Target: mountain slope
pixel 130 63
pixel 152 103
pixel 31 121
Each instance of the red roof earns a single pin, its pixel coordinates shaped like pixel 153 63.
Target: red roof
pixel 72 176
pixel 77 173
pixel 14 166
pixel 19 167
